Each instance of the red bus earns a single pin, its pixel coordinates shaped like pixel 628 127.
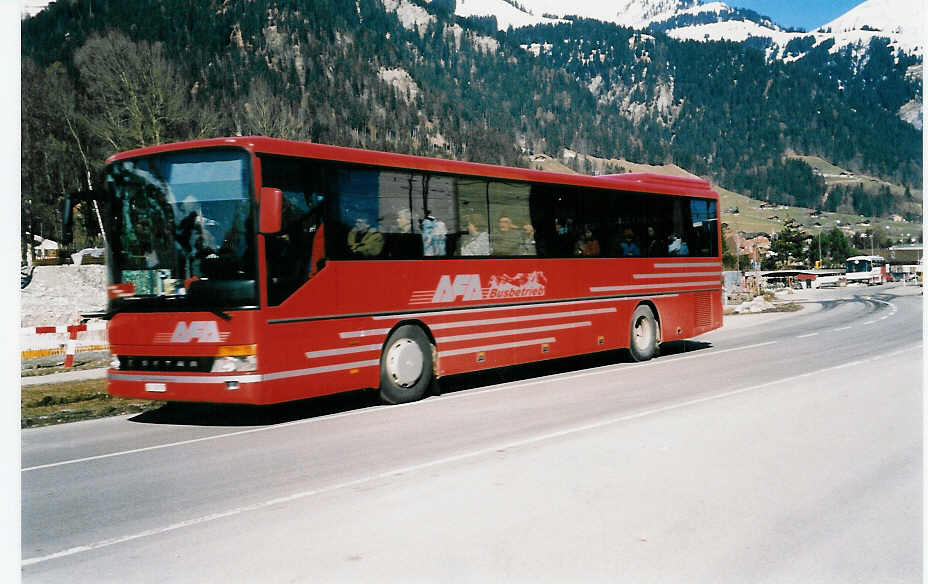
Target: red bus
pixel 257 270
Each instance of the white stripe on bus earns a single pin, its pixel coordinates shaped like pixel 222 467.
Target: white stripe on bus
pixel 510 332
pixel 454 339
pixel 509 319
pixel 486 321
pixel 652 286
pixel 676 275
pixel 690 265
pixel 184 378
pixel 343 351
pixel 538 305
pixel 367 333
pixel 514 345
pixel 321 369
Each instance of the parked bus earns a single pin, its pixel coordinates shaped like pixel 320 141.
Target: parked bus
pixel 256 270
pixel 868 270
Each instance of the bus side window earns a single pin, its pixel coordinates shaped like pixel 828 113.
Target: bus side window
pixel 439 219
pixel 358 213
pixel 399 199
pixel 473 237
pixel 703 237
pixel 542 205
pixel 510 225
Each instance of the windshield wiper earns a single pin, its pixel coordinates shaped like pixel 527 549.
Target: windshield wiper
pixel 164 304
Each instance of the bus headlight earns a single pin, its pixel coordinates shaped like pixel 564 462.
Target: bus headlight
pixel 236 358
pixel 231 364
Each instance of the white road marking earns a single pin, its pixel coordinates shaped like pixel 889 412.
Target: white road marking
pixel 843 328
pixel 439 462
pixel 808 335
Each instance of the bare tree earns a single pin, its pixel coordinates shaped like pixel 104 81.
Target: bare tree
pixel 268 114
pixel 135 96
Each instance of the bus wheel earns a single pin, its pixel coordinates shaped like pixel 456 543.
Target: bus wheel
pixel 643 342
pixel 405 366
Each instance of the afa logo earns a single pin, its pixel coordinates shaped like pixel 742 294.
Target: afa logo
pixel 204 331
pixel 468 287
pixel 465 286
pixel 200 331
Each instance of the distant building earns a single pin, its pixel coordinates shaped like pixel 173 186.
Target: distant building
pixel 754 245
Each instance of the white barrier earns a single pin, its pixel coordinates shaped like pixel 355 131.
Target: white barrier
pixel 68 340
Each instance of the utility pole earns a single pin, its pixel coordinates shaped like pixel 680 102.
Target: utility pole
pixel 819 264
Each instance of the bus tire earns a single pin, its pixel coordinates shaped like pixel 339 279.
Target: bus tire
pixel 642 343
pixel 405 366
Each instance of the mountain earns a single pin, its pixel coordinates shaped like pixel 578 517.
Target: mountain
pixel 902 21
pixel 638 14
pixel 506 13
pixel 411 76
pixel 841 49
pixel 899 21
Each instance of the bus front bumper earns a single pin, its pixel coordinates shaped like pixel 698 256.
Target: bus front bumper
pixel 236 388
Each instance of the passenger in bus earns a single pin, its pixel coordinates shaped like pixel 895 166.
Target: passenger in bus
pixel 404 221
pixel 475 242
pixel 403 244
pixel 587 245
pixel 677 247
pixel 364 240
pixel 505 240
pixel 564 237
pixel 433 235
pixel 628 247
pixel 655 244
pixel 527 243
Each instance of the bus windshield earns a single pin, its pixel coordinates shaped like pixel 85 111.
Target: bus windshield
pixel 182 226
pixel 854 266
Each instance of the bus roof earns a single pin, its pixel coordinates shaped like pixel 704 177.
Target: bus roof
pixel 641 182
pixel 865 257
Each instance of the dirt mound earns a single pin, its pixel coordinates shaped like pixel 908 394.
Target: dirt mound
pixel 57 295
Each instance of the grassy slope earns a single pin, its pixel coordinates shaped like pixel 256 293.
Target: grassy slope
pixel 835 175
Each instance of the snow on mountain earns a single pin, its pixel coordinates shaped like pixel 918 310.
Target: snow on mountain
pixel 902 21
pixel 733 30
pixel 632 13
pixel 506 14
pixel 33 7
pixel 899 20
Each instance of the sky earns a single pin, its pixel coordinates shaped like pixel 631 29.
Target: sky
pixel 805 14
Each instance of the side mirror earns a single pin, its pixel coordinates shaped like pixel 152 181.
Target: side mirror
pixel 271 211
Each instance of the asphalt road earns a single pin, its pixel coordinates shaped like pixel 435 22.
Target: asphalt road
pixel 781 448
